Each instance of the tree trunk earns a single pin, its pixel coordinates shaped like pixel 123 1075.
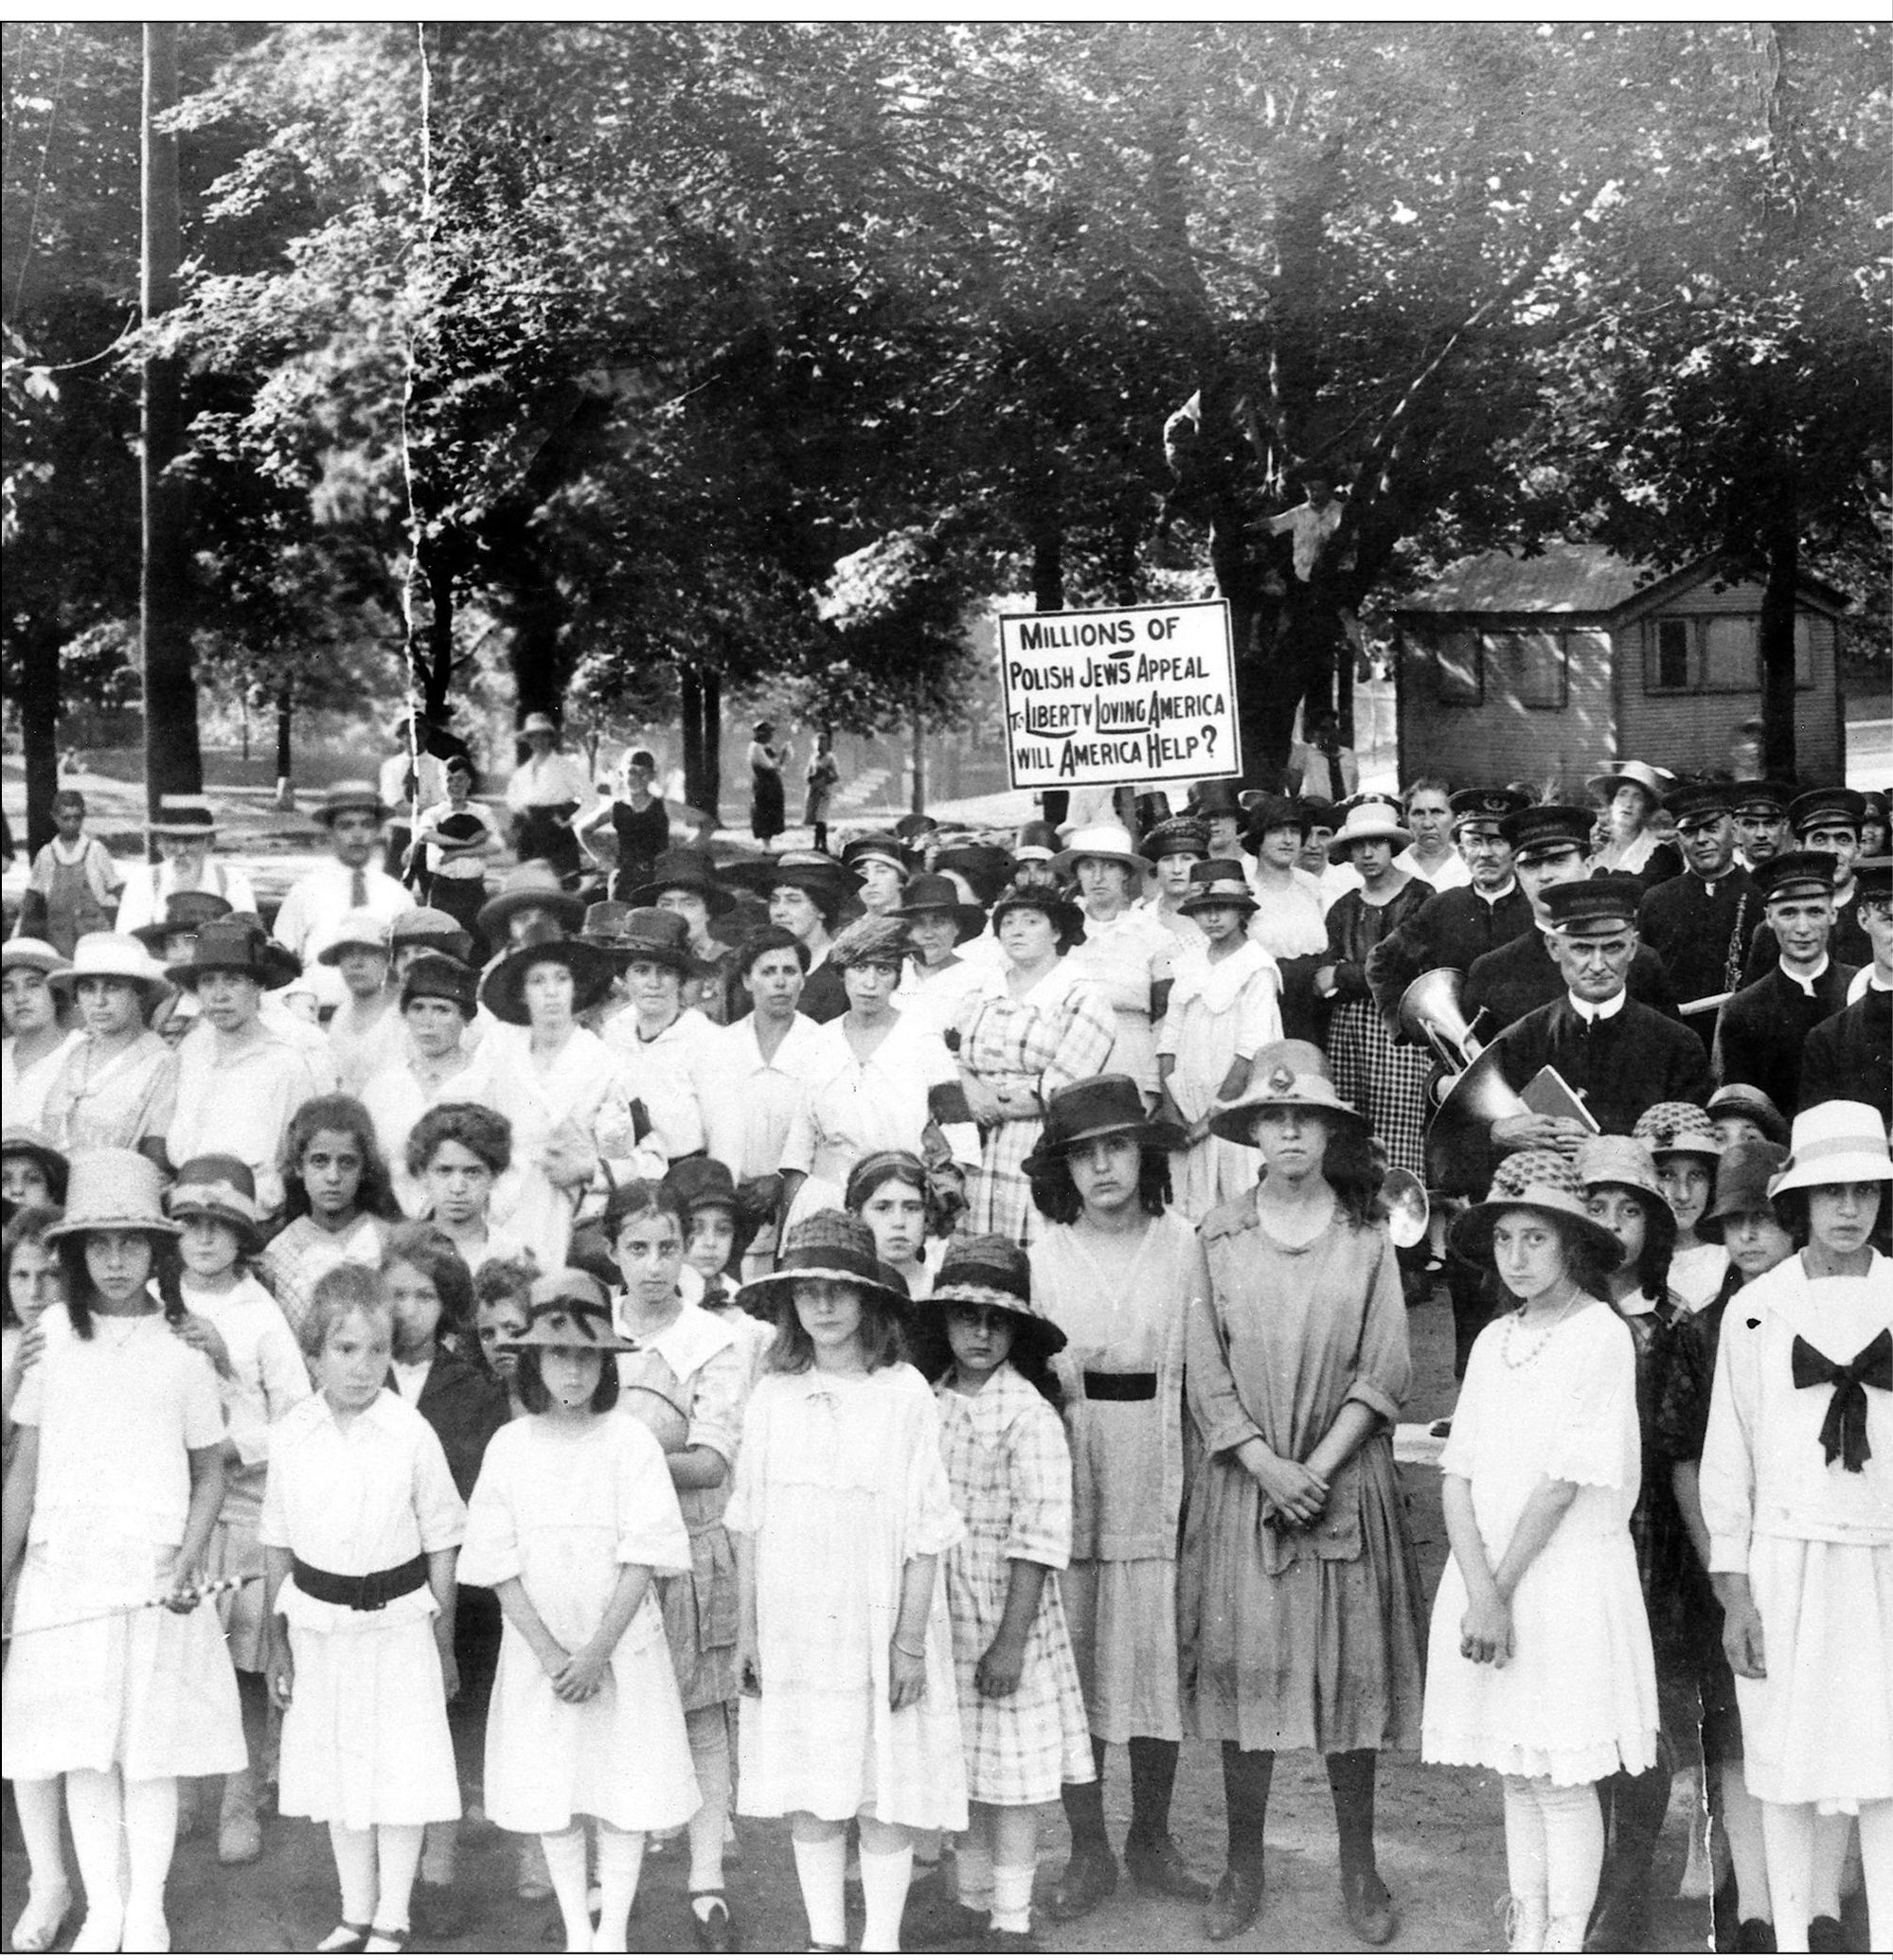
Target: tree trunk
pixel 918 802
pixel 710 765
pixel 172 758
pixel 1777 638
pixel 690 727
pixel 1049 597
pixel 436 668
pixel 285 757
pixel 38 728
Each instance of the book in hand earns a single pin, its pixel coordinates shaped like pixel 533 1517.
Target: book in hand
pixel 1548 1094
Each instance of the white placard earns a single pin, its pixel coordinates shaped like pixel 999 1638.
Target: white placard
pixel 1136 694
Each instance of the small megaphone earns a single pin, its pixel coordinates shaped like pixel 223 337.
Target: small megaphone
pixel 1404 1198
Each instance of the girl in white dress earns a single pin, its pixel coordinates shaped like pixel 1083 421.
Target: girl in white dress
pixel 1225 1008
pixel 1539 1662
pixel 844 1650
pixel 1684 1143
pixel 112 1494
pixel 573 1516
pixel 1797 1492
pixel 360 1528
pixel 339 1202
pixel 1126 952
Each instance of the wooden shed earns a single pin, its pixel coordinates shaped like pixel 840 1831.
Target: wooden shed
pixel 1541 669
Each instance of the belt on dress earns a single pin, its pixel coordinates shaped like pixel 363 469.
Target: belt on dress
pixel 1131 1387
pixel 362 1592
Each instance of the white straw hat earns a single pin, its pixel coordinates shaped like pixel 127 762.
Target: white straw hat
pixel 1834 1143
pixel 111 956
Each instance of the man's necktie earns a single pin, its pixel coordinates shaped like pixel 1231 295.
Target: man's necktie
pixel 1844 1430
pixel 358 889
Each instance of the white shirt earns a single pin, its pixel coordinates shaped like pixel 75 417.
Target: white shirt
pixel 395 1098
pixel 550 779
pixel 267 1378
pixel 751 1102
pixel 392 783
pixel 148 888
pixel 320 899
pixel 362 1052
pixel 1312 527
pixel 671 1074
pixel 1448 874
pixel 1599 1010
pixel 237 1101
pixel 25 1091
pixel 436 860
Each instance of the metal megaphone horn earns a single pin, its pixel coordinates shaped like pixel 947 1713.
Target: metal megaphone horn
pixel 1433 1011
pixel 1404 1198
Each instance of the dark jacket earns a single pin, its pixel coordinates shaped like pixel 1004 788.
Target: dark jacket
pixel 466 1406
pixel 1701 932
pixel 1621 1067
pixel 1850 946
pixel 1760 1032
pixel 1452 929
pixel 1509 984
pixel 1357 929
pixel 1849 1055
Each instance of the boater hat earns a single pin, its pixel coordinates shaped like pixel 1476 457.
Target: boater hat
pixel 113 1191
pixel 1742 1179
pixel 218 1188
pixel 591 967
pixel 1540 1180
pixel 993 1271
pixel 182 816
pixel 1654 783
pixel 1100 1106
pixel 1622 1160
pixel 344 796
pixel 111 956
pixel 1286 1075
pixel 1677 1129
pixel 532 883
pixel 826 1245
pixel 569 1308
pixel 1217 882
pixel 54 1167
pixel 185 912
pixel 684 868
pixel 1834 1143
pixel 933 891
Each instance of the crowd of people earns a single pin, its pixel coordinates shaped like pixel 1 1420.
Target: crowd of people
pixel 854 1338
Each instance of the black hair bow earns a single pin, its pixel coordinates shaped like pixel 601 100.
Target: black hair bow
pixel 1843 1429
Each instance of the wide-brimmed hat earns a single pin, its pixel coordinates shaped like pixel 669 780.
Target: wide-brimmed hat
pixel 185 912
pixel 603 922
pixel 1110 1105
pixel 113 1191
pixel 1541 1181
pixel 218 1188
pixel 1485 807
pixel 1742 1178
pixel 1215 882
pixel 340 798
pixel 1175 837
pixel 1065 913
pixel 1795 874
pixel 993 1271
pixel 1109 842
pixel 1368 822
pixel 111 956
pixel 1625 1160
pixel 1286 1075
pixel 684 868
pixel 184 815
pixel 1677 1129
pixel 1834 1143
pixel 1834 804
pixel 435 976
pixel 826 1245
pixel 934 891
pixel 18 1140
pixel 1545 829
pixel 532 883
pixel 870 941
pixel 237 944
pixel 591 967
pixel 811 871
pixel 1272 812
pixel 569 1308
pixel 37 953
pixel 432 929
pixel 916 825
pixel 986 867
pixel 1745 1099
pixel 650 932
pixel 360 932
pixel 1036 843
pixel 1593 907
pixel 1654 783
pixel 885 844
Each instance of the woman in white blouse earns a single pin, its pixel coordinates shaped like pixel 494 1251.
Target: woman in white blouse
pixel 1126 951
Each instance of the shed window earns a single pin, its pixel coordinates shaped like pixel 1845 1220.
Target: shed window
pixel 1719 653
pixel 1525 666
pixel 1457 670
pixel 1673 653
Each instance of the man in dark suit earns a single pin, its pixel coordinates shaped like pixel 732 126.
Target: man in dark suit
pixel 1551 845
pixel 1699 924
pixel 1849 1055
pixel 1618 1057
pixel 1761 822
pixel 1456 927
pixel 1829 821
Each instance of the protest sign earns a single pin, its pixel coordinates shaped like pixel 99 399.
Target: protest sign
pixel 1132 694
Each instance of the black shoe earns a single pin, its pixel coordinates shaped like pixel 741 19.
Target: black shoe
pixel 1234 1906
pixel 714 1930
pixel 1160 1868
pixel 1087 1880
pixel 1826 1934
pixel 1754 1936
pixel 1370 1907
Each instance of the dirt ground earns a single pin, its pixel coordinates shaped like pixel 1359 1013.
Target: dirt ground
pixel 1440 1839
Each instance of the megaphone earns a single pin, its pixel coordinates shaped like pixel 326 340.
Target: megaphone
pixel 1404 1198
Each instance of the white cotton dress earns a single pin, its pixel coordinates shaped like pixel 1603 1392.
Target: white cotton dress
pixel 562 1512
pixel 1577 1699
pixel 1218 1010
pixel 151 1693
pixel 840 1480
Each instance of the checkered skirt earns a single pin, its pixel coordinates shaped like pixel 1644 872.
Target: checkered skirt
pixel 1386 1082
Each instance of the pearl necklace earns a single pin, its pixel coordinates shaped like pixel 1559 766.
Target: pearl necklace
pixel 1539 1346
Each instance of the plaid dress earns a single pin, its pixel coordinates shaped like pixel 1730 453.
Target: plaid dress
pixel 1383 1079
pixel 1061 1032
pixel 1010 1472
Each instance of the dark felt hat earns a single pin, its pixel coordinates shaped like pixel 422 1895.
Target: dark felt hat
pixel 1221 796
pixel 932 891
pixel 1589 907
pixel 435 930
pixel 1036 840
pixel 1742 1179
pixel 1873 878
pixel 532 883
pixel 1795 874
pixel 1176 837
pixel 993 1271
pixel 697 1181
pixel 1542 829
pixel 19 1140
pixel 811 871
pixel 1268 814
pixel 684 869
pixel 826 1245
pixel 1826 809
pixel 885 844
pixel 237 945
pixel 433 976
pixel 1100 1106
pixel 1745 1099
pixel 591 967
pixel 185 912
pixel 1217 882
pixel 220 1188
pixel 986 867
pixel 1066 914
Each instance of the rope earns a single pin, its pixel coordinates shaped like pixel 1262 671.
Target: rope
pixel 213 1590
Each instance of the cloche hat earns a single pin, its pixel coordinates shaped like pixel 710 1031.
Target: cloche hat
pixel 19 1140
pixel 1625 1160
pixel 185 912
pixel 218 1188
pixel 1834 1143
pixel 1742 1179
pixel 1677 1129
pixel 1540 1180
